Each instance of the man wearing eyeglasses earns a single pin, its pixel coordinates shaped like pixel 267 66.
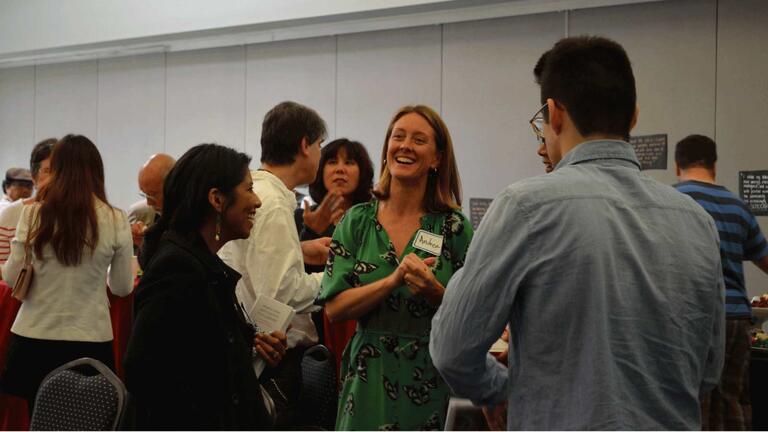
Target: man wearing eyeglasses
pixel 610 281
pixel 144 213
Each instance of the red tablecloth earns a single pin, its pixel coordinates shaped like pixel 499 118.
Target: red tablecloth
pixel 337 336
pixel 13 410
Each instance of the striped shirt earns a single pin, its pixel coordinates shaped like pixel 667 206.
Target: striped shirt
pixel 740 239
pixel 9 218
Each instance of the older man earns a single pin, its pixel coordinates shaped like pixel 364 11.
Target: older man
pixel 18 184
pixel 142 214
pixel 39 164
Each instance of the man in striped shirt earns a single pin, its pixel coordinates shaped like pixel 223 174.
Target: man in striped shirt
pixel 740 240
pixel 9 216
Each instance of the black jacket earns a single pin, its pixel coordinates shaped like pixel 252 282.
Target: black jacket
pixel 188 363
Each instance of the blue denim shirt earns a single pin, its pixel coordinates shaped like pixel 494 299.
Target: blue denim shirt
pixel 611 283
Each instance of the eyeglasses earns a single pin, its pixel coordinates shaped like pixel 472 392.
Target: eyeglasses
pixel 147 197
pixel 537 123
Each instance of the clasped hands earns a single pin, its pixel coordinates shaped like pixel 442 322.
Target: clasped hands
pixel 271 346
pixel 416 274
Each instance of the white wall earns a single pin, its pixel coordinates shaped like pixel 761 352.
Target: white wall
pixel 700 68
pixel 741 109
pixel 27 25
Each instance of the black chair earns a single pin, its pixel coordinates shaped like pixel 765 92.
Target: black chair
pixel 80 395
pixel 319 392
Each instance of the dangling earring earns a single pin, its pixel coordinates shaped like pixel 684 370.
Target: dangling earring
pixel 218 227
pixel 433 171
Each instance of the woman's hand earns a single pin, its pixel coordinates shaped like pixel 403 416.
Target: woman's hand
pixel 419 278
pixel 271 346
pixel 328 212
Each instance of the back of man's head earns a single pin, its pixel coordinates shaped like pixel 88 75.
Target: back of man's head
pixel 40 152
pixel 284 127
pixel 592 78
pixel 696 151
pixel 158 165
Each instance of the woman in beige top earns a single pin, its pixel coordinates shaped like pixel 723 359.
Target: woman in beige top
pixel 75 237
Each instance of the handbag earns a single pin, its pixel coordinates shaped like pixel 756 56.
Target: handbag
pixel 24 279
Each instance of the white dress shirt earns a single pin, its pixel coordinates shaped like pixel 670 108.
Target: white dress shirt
pixel 70 302
pixel 271 260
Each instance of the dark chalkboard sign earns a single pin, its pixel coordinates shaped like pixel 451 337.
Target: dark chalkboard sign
pixel 651 150
pixel 753 188
pixel 477 209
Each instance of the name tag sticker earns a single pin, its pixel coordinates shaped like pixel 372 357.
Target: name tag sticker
pixel 428 242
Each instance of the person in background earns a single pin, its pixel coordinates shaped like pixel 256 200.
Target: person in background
pixel 189 359
pixel 390 260
pixel 143 214
pixel 272 259
pixel 727 406
pixel 17 185
pixel 40 167
pixel 602 273
pixel 344 178
pixel 75 236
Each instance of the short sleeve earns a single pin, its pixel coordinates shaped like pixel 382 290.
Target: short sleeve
pixel 756 246
pixel 341 257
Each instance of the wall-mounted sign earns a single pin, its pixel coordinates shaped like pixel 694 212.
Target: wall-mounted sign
pixel 651 150
pixel 753 189
pixel 477 209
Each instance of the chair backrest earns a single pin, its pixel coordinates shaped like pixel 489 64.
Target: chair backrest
pixel 80 395
pixel 319 393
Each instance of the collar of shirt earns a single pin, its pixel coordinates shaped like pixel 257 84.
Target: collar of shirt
pixel 600 149
pixel 284 194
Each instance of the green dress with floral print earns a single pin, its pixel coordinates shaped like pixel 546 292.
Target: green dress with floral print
pixel 388 379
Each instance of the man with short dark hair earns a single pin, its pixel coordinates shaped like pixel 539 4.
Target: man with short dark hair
pixel 740 240
pixel 272 259
pixel 602 273
pixel 17 184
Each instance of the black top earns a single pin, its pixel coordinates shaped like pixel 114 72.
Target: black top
pixel 188 363
pixel 306 233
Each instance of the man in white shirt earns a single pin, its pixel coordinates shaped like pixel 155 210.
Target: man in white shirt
pixel 272 259
pixel 17 185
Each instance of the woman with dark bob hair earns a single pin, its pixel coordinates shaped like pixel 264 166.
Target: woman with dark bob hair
pixel 189 360
pixel 344 178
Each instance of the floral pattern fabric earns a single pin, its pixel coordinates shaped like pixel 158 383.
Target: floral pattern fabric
pixel 388 380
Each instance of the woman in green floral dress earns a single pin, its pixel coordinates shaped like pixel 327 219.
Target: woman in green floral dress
pixel 390 260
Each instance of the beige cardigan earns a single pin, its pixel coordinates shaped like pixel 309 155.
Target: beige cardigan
pixel 70 303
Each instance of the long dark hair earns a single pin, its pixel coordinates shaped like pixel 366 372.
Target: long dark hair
pixel 185 190
pixel 67 217
pixel 356 152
